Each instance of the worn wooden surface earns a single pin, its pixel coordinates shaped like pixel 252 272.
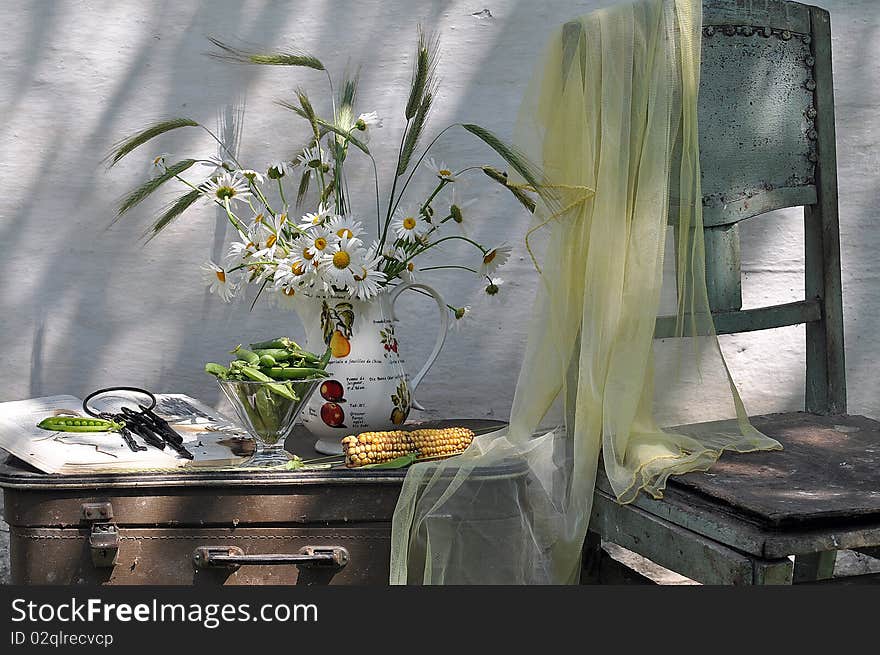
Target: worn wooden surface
pixel 828 471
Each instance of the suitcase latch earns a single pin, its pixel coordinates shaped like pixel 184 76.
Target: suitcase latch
pixel 103 535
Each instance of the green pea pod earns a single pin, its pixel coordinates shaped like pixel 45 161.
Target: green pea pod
pixel 399 463
pixel 278 388
pixel 252 358
pixel 325 359
pixel 278 354
pixel 267 411
pixel 267 361
pixel 283 343
pixel 215 369
pixel 291 373
pixel 77 424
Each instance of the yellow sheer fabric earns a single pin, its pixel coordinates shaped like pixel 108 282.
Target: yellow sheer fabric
pixel 612 115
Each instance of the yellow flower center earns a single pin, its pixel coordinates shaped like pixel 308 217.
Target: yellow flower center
pixel 221 276
pixel 271 240
pixel 409 223
pixel 297 269
pixel 490 257
pixel 287 291
pixel 411 267
pixel 341 259
pixel 344 232
pixel 225 192
pixel 316 219
pixel 445 172
pixel 258 218
pixel 320 243
pixel 282 219
pixel 307 254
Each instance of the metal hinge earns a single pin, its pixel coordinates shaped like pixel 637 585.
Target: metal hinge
pixel 104 535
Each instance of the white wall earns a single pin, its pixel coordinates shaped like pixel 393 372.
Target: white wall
pixel 83 304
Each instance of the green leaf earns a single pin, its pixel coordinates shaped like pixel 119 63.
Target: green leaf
pixel 241 56
pixel 174 210
pixel 399 463
pixel 125 146
pixel 303 186
pixel 140 193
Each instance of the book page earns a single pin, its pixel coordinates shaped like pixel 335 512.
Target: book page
pixel 213 439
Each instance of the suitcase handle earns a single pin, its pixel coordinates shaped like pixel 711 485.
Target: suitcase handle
pixel 232 557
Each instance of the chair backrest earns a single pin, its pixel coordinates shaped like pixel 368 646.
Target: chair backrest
pixel 766 112
pixel 766 118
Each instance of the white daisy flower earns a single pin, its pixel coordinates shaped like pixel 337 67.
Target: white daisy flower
pixel 252 176
pixel 440 170
pixel 408 226
pixel 319 217
pixel 240 250
pixel 315 244
pixel 313 157
pixel 368 120
pixel 286 297
pixel 226 186
pixel 461 318
pixel 460 211
pixel 494 259
pixel 369 281
pixel 218 165
pixel 218 280
pixel 342 260
pixel 278 169
pixel 346 226
pixel 159 162
pixel 493 289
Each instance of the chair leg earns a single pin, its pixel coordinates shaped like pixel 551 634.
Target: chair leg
pixel 591 559
pixel 814 566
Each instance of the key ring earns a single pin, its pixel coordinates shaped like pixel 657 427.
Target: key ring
pixel 108 390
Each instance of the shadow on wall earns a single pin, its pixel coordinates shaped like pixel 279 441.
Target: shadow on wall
pixel 78 347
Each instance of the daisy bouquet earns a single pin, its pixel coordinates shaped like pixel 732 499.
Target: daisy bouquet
pixel 297 228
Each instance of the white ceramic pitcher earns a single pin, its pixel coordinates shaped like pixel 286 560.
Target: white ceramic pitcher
pixel 368 388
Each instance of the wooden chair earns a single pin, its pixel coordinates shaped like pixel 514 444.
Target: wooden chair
pixel 766 112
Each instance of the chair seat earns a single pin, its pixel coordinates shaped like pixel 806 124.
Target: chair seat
pixel 827 473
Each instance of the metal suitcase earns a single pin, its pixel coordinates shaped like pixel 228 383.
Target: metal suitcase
pixel 204 527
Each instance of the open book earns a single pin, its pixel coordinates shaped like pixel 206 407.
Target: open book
pixel 213 439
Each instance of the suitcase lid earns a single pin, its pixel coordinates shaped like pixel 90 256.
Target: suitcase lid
pixel 15 474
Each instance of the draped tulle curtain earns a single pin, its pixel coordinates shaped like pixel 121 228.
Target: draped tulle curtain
pixel 613 95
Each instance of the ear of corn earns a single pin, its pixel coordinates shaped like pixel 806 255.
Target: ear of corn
pixel 378 447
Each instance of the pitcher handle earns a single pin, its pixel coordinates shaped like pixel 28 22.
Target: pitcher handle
pixel 441 335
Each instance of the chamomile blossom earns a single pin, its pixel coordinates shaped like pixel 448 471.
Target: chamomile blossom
pixel 240 250
pixel 408 227
pixel 368 281
pixel 218 165
pixel 494 259
pixel 314 243
pixel 365 123
pixel 218 280
pixel 461 318
pixel 278 169
pixel 460 211
pixel 441 170
pixel 252 176
pixel 342 260
pixel 493 289
pixel 226 186
pixel 314 157
pixel 319 217
pixel 159 164
pixel 346 226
